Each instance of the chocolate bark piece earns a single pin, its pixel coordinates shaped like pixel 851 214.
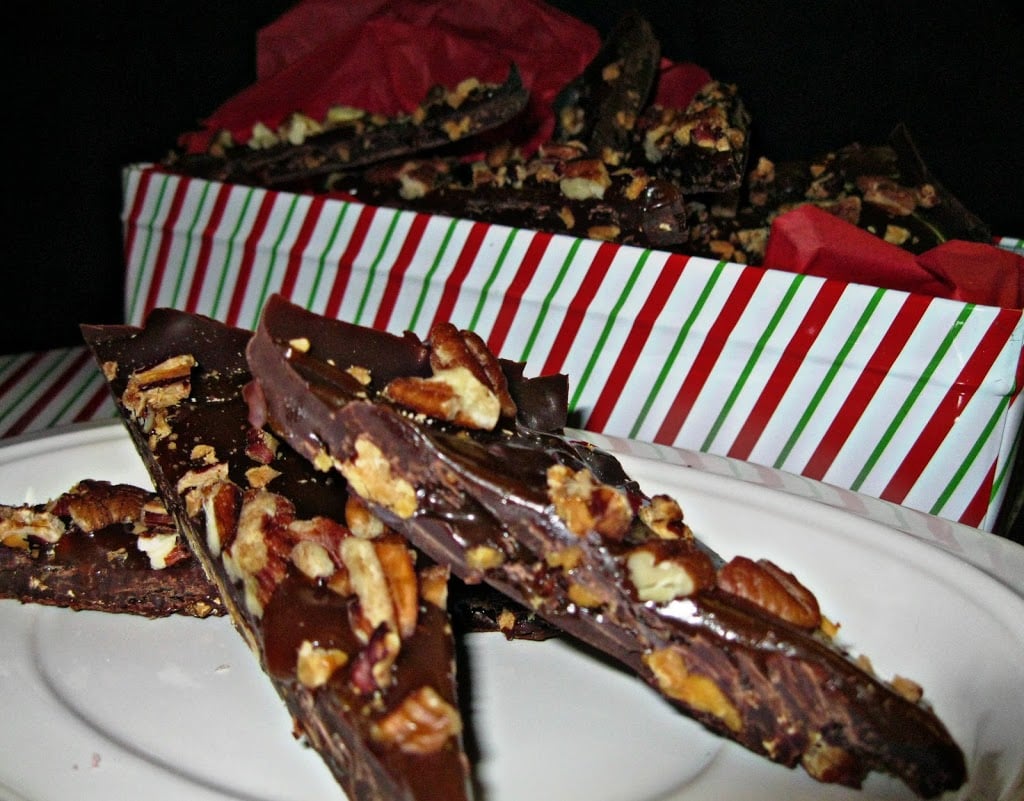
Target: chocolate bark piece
pixel 102 547
pixel 559 527
pixel 53 554
pixel 558 190
pixel 350 628
pixel 351 138
pixel 702 148
pixel 600 106
pixel 884 189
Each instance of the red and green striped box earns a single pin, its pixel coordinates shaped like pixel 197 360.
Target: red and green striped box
pixel 908 398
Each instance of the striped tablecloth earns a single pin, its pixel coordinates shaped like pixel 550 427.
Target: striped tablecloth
pixel 51 388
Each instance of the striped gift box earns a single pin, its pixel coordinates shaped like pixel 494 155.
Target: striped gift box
pixel 907 398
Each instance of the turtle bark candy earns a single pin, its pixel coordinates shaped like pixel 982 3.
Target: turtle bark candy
pixel 601 105
pixel 347 621
pixel 102 547
pixel 349 139
pixel 561 529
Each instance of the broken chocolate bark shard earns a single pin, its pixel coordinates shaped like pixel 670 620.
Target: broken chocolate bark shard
pixel 558 527
pixel 558 190
pixel 358 139
pixel 350 628
pixel 600 106
pixel 102 547
pixel 701 148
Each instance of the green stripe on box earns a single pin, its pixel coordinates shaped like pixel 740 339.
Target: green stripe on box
pixel 545 305
pixel 321 264
pixel 428 278
pixel 491 278
pixel 374 265
pixel 222 283
pixel 673 354
pixel 189 239
pixel 276 250
pixel 915 392
pixel 830 375
pixel 147 244
pixel 602 340
pixel 971 458
pixel 755 356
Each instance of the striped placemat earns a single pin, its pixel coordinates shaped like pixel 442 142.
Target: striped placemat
pixel 49 389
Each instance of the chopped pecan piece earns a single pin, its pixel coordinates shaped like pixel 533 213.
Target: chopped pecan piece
pixel 421 724
pixel 771 588
pixel 585 505
pixel 450 347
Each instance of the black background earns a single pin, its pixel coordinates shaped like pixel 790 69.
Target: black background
pixel 93 86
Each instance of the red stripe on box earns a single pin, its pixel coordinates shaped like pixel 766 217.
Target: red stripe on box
pixel 249 253
pixel 863 391
pixel 943 419
pixel 793 356
pixel 298 251
pixel 145 178
pixel 974 514
pixel 578 306
pixel 708 355
pixel 88 411
pixel 636 340
pixel 207 239
pixel 396 274
pixel 450 293
pixel 53 390
pixel 163 254
pixel 516 289
pixel 344 271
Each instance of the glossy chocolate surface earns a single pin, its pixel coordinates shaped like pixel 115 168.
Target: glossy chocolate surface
pixel 338 718
pixel 789 686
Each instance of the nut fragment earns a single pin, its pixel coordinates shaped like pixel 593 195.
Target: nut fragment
pixel 93 505
pixel 262 546
pixel 163 550
pixel 664 517
pixel 434 585
pixel 397 563
pixel 693 689
pixel 370 585
pixel 771 588
pixel 220 502
pixel 369 473
pixel 360 520
pixel 453 395
pixel 484 557
pixel 450 348
pixel 661 573
pixel 315 666
pixel 421 724
pixel 585 505
pixel 18 524
pixel 158 387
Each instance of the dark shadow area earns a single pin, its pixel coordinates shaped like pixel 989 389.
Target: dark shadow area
pixel 94 86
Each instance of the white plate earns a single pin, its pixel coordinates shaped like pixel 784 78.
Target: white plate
pixel 102 707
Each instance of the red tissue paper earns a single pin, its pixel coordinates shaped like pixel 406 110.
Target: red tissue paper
pixel 385 56
pixel 811 241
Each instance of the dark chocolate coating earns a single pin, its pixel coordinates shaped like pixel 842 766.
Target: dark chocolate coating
pixel 103 571
pixel 336 718
pixel 476 488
